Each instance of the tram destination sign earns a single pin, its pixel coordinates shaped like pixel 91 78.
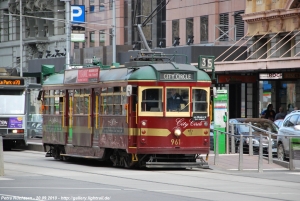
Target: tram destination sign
pixel 11 81
pixel 177 76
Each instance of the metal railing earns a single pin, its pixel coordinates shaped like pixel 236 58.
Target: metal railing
pixel 241 146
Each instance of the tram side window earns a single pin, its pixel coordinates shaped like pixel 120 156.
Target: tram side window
pixel 200 103
pixel 81 101
pixel 53 102
pixel 151 100
pixel 113 101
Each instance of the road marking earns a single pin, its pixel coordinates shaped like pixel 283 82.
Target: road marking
pixel 5 179
pixel 263 169
pixel 297 173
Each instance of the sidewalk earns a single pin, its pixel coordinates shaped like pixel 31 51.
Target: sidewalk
pixel 231 162
pixel 227 162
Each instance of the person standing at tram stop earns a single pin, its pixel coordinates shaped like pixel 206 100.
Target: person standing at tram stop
pixel 270 113
pixel 174 101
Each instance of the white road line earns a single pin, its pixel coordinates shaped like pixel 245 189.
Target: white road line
pixel 263 169
pixel 5 179
pixel 59 188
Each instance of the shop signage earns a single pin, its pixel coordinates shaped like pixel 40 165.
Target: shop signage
pixel 270 76
pixel 236 79
pixel 294 75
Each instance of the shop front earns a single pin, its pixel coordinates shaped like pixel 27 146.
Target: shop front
pixel 280 89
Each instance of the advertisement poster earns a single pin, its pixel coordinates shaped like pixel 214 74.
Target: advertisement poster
pixel 220 109
pixel 11 122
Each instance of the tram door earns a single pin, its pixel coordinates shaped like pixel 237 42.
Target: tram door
pixel 132 118
pixel 82 128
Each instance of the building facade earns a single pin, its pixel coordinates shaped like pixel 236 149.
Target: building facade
pixel 271 71
pixel 247 28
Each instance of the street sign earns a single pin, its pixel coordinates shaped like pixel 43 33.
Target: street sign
pixel 78 14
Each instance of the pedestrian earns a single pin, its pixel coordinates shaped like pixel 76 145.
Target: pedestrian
pixel 174 101
pixel 280 114
pixel 270 113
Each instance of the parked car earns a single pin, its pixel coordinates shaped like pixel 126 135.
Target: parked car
pixel 290 126
pixel 242 129
pixel 278 122
pixel 36 130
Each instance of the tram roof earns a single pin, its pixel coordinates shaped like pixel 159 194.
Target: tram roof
pixel 146 72
pixel 54 79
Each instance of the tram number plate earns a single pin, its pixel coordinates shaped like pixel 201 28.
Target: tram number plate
pixel 175 142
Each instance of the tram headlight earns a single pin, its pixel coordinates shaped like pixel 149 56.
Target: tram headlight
pixel 14 131
pixel 177 132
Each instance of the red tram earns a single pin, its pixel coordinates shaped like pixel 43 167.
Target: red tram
pixel 125 115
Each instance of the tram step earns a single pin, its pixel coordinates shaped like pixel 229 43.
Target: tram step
pixel 80 156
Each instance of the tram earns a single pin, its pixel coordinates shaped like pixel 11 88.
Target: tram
pixel 123 115
pixel 12 109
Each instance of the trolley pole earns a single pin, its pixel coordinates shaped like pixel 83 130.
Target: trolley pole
pixel 1 158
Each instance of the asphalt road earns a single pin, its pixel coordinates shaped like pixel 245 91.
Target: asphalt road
pixel 34 177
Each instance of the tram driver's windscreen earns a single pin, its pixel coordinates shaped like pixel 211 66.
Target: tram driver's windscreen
pixel 12 102
pixel 177 99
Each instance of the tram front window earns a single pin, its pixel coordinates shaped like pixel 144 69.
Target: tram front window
pixel 177 99
pixel 152 100
pixel 200 103
pixel 12 102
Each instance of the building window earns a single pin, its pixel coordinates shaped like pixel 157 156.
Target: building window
pixel 223 23
pixel 175 29
pixel 92 39
pixel 189 29
pixel 76 45
pixel 111 4
pixel 111 36
pixel 161 25
pixel 239 23
pixel 92 8
pixel 204 29
pixel 76 2
pixel 101 5
pixel 102 38
pixel 126 22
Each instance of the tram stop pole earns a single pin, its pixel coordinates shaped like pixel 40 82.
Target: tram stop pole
pixel 1 158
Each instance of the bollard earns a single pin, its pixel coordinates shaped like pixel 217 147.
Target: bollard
pixel 227 142
pixel 216 159
pixel 260 156
pixel 232 139
pixel 241 153
pixel 291 162
pixel 270 152
pixel 250 140
pixel 1 158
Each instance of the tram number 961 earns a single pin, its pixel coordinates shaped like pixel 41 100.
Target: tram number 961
pixel 175 142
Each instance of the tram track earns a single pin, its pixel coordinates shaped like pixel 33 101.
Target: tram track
pixel 242 180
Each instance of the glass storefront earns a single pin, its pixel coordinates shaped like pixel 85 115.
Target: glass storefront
pixel 280 93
